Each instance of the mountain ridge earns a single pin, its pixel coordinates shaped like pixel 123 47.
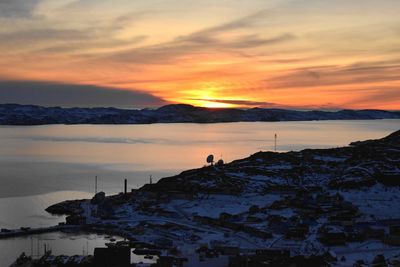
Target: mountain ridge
pixel 16 114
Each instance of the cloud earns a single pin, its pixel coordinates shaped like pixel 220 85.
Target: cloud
pixel 73 95
pixel 241 23
pixel 43 35
pixel 386 94
pixel 264 104
pixel 167 52
pixel 80 45
pixel 357 73
pixel 65 40
pixel 244 103
pixel 207 40
pixel 17 8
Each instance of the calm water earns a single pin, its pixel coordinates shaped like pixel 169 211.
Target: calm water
pixel 42 165
pixel 43 159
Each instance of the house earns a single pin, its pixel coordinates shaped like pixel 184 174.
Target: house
pixel 253 219
pixel 332 236
pixel 256 232
pixel 227 250
pixel 266 257
pixel 180 195
pixel 112 257
pixel 233 226
pixel 354 235
pixel 374 233
pixel 394 230
pixel 345 218
pixel 392 240
pixel 163 242
pixel 379 261
pixel 297 232
pixel 389 178
pixel 273 253
pixel 169 261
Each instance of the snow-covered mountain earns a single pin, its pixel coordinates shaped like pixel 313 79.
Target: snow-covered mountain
pixel 14 114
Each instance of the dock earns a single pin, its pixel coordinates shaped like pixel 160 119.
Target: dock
pixel 25 231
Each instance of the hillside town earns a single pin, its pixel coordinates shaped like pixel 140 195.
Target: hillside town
pixel 315 207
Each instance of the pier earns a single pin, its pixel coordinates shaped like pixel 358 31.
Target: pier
pixel 6 233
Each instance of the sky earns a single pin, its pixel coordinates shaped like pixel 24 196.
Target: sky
pixel 302 54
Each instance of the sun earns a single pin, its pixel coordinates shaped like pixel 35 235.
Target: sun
pixel 207 96
pixel 216 103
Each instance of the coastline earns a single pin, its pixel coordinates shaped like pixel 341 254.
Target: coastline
pixel 255 188
pixel 29 115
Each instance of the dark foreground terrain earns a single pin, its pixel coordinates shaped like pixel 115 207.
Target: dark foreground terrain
pixel 316 207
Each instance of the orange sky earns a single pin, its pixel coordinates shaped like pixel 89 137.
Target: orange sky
pixel 228 53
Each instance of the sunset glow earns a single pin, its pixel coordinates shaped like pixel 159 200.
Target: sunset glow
pixel 281 53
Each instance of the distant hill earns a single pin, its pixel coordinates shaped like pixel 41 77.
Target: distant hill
pixel 14 114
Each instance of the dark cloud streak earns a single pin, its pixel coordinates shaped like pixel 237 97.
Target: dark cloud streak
pixel 358 73
pixel 244 103
pixel 73 95
pixel 17 8
pixel 203 41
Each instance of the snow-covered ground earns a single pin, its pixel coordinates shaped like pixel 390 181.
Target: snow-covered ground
pixel 284 201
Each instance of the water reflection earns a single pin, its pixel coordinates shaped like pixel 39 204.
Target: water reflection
pixel 29 211
pixel 41 159
pixel 60 244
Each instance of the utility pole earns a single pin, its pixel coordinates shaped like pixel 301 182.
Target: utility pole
pixel 276 137
pixel 95 185
pixel 31 246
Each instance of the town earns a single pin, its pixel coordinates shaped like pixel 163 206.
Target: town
pixel 316 207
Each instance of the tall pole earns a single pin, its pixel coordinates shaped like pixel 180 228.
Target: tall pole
pixel 276 137
pixel 31 246
pixel 95 185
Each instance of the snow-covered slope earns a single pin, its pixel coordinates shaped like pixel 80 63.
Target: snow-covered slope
pixel 338 205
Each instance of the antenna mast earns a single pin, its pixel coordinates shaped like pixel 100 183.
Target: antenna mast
pixel 95 185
